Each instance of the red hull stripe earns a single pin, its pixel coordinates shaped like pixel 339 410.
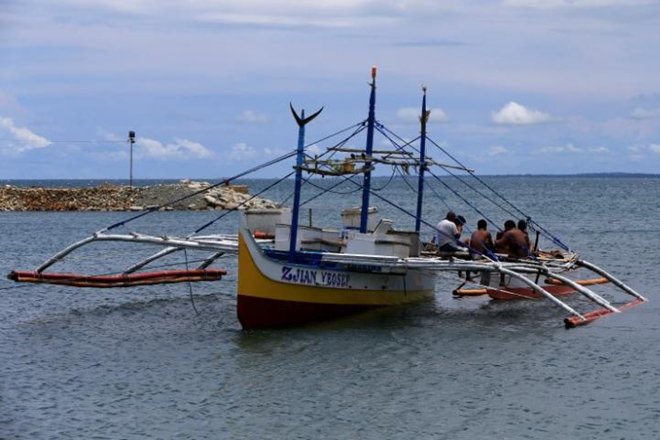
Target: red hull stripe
pixel 256 312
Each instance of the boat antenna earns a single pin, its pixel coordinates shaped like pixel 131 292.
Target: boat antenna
pixel 371 122
pixel 300 155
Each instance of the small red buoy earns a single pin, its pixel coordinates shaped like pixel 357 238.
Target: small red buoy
pixel 263 235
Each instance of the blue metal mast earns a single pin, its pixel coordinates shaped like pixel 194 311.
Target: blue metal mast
pixel 422 162
pixel 300 156
pixel 371 121
pixel 298 184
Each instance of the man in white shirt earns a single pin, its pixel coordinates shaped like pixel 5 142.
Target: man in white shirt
pixel 447 234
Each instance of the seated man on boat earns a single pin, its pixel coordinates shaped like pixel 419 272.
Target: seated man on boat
pixel 460 222
pixel 522 225
pixel 513 241
pixel 481 241
pixel 448 233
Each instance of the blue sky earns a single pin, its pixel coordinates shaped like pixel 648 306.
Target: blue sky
pixel 517 86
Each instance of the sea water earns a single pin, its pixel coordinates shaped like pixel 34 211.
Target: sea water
pixel 171 361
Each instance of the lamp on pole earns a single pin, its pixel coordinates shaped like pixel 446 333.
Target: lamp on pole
pixel 131 141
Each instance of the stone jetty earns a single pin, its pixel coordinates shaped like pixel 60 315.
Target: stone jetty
pixel 109 197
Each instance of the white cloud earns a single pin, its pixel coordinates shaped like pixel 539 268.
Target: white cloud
pixel 313 150
pixel 497 150
pixel 645 113
pixel 252 117
pixel 550 4
pixel 274 151
pixel 568 148
pixel 193 148
pixel 640 151
pixel 438 115
pixel 331 14
pixel 110 136
pixel 599 150
pixel 117 5
pixel 21 138
pixel 516 114
pixel 241 152
pixel 636 152
pixel 277 20
pixel 410 115
pixel 179 149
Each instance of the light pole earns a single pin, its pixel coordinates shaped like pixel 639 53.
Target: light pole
pixel 131 141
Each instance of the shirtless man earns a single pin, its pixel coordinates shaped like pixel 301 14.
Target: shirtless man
pixel 513 241
pixel 481 240
pixel 522 225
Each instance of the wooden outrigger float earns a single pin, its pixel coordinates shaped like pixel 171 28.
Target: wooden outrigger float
pixel 290 274
pixel 118 280
pixel 130 277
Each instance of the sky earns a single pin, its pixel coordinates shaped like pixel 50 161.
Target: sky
pixel 515 86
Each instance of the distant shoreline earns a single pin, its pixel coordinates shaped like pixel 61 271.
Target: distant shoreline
pixel 108 196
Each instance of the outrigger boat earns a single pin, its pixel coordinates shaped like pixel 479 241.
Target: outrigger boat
pixel 290 274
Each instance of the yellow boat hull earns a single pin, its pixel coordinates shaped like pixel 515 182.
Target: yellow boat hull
pixel 273 293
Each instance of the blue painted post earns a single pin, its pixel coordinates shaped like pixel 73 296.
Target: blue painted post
pixel 422 163
pixel 366 188
pixel 293 234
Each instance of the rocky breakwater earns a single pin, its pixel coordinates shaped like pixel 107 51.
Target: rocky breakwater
pixel 185 195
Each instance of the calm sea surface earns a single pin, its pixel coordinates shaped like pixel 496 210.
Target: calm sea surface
pixel 140 363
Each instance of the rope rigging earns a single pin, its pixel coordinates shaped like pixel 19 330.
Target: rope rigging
pixel 457 194
pixel 331 153
pixel 547 233
pixel 230 179
pixel 449 172
pixel 277 182
pixel 487 255
pixel 395 169
pixel 328 190
pixel 532 224
pixel 201 191
pixel 482 195
pixel 386 133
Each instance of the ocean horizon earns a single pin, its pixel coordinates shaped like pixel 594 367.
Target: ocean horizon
pixel 82 182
